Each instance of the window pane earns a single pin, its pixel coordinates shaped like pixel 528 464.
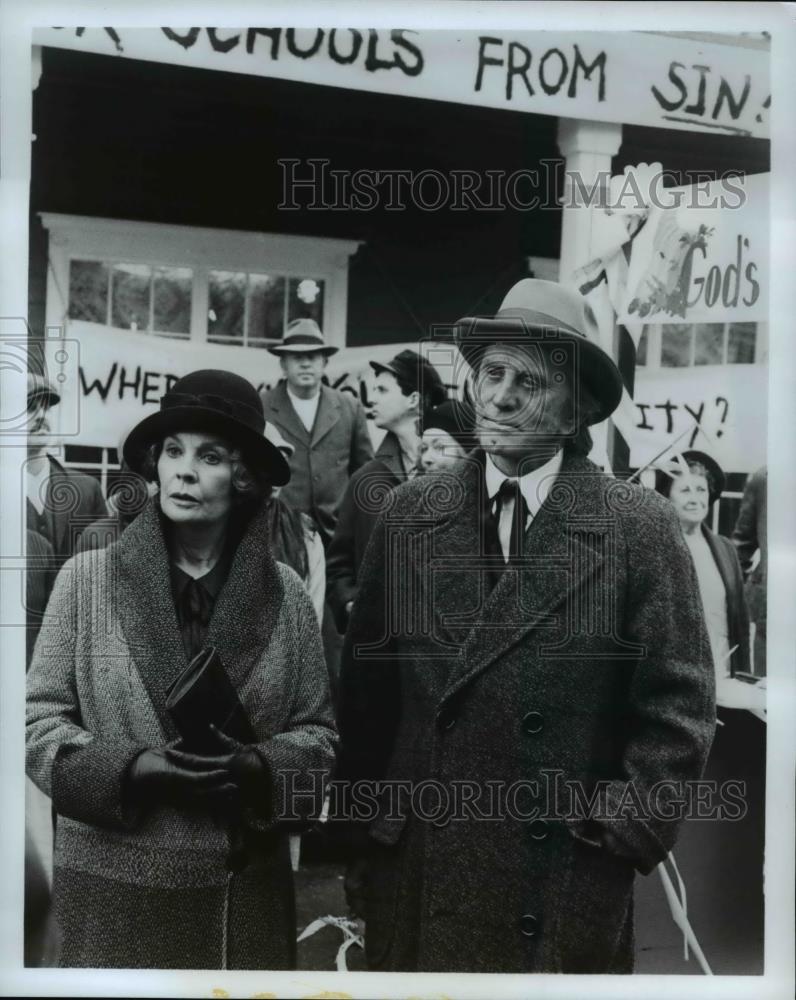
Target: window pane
pixel 709 346
pixel 226 292
pixel 741 343
pixel 305 299
pixel 172 299
pixel 676 345
pixel 88 291
pixel 641 350
pixel 130 299
pixel 266 309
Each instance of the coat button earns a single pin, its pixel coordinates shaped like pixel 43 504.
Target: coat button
pixel 532 723
pixel 538 829
pixel 446 719
pixel 529 925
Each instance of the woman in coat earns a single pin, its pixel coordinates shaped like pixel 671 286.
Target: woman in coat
pixel 692 483
pixel 166 858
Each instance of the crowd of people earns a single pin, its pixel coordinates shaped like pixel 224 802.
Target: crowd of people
pixel 473 605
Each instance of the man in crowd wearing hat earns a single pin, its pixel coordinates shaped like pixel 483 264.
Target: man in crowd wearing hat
pixel 327 428
pixel 60 502
pixel 404 389
pixel 526 673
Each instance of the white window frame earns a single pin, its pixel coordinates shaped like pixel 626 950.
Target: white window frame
pixel 655 348
pixel 203 250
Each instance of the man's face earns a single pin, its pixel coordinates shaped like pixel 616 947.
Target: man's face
pixel 390 406
pixel 38 427
pixel 523 400
pixel 303 370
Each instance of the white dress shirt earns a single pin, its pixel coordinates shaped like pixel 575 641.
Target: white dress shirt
pixel 534 486
pixel 305 408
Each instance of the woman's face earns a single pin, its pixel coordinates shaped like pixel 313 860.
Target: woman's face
pixel 690 495
pixel 195 474
pixel 438 450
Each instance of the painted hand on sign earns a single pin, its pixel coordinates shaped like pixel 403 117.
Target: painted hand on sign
pixel 665 286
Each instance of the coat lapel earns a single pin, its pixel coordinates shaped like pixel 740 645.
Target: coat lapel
pixel 327 416
pixel 559 558
pixel 243 619
pixel 59 507
pixel 279 410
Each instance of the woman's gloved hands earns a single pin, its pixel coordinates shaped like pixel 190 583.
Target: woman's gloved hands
pixel 230 777
pixel 165 775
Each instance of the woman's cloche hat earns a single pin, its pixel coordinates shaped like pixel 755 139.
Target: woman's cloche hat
pixel 675 465
pixel 301 337
pixel 541 312
pixel 218 402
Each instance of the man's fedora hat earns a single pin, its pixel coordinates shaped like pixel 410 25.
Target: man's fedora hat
pixel 217 402
pixel 416 374
pixel 540 312
pixel 301 337
pixel 41 392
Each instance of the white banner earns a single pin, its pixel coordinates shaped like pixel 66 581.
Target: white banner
pixel 110 379
pixel 635 78
pixel 704 261
pixel 717 409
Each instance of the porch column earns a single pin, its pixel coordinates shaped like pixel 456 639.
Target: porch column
pixel 589 148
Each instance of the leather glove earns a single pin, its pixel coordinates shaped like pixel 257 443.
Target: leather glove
pixel 164 775
pixel 244 766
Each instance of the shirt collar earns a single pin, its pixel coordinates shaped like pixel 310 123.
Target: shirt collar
pixel 211 582
pixel 299 401
pixel 534 485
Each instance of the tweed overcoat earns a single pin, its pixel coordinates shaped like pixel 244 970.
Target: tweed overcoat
pixel 151 889
pixel 324 458
pixel 588 670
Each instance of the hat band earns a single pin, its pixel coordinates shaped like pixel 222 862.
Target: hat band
pixel 303 338
pixel 208 401
pixel 531 317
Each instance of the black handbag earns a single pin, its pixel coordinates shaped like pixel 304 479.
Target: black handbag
pixel 203 694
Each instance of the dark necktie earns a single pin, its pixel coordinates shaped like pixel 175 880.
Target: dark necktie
pixel 510 492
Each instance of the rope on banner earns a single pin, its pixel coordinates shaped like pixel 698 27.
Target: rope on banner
pixel 679 913
pixel 347 927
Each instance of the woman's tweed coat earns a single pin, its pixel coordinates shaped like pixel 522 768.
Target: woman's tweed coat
pixel 152 891
pixel 596 669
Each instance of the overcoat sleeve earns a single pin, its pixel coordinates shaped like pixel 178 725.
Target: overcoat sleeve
pixel 744 535
pixel 341 573
pixel 81 771
pixel 671 695
pixel 301 757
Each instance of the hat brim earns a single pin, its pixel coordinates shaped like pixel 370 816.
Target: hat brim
pixel 46 397
pixel 187 418
pixel 597 370
pixel 380 366
pixel 304 349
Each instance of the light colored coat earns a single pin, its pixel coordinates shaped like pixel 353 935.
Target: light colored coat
pixel 152 891
pixel 592 662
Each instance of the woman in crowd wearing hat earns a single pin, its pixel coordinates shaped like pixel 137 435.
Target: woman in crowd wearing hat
pixel 148 873
pixel 693 481
pixel 446 436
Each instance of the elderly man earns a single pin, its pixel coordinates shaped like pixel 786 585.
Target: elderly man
pixel 526 675
pixel 326 428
